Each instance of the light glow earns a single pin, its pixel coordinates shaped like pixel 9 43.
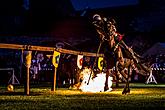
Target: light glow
pixel 94 84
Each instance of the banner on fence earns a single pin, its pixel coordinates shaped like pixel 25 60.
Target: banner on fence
pixel 56 58
pixel 100 63
pixel 79 61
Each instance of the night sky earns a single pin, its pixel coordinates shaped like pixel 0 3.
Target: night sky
pixel 92 4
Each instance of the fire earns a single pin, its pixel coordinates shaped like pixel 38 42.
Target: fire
pixel 94 84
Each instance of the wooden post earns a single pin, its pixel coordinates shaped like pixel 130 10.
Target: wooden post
pixel 55 61
pixel 27 82
pixel 28 64
pixel 54 79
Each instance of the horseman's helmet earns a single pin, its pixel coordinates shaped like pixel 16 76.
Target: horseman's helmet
pixel 97 17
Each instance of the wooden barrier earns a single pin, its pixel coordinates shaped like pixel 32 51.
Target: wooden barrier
pixel 30 48
pixel 41 48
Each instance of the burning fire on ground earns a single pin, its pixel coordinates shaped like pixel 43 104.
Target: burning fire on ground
pixel 91 83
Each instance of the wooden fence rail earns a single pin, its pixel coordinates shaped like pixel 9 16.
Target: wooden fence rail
pixel 41 48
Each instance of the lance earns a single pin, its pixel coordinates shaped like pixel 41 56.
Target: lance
pixel 98 50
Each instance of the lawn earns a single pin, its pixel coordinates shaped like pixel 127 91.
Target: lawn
pixel 142 96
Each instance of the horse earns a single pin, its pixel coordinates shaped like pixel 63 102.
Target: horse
pixel 113 45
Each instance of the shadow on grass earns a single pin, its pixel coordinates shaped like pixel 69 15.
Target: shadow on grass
pixel 19 93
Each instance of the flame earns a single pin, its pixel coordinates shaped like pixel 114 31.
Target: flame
pixel 95 84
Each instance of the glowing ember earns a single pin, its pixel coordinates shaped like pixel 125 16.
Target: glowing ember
pixel 95 84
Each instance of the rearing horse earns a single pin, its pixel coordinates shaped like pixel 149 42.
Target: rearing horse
pixel 113 46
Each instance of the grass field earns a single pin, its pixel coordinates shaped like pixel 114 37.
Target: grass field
pixel 142 96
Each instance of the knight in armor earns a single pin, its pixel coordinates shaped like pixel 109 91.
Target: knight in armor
pixel 112 42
